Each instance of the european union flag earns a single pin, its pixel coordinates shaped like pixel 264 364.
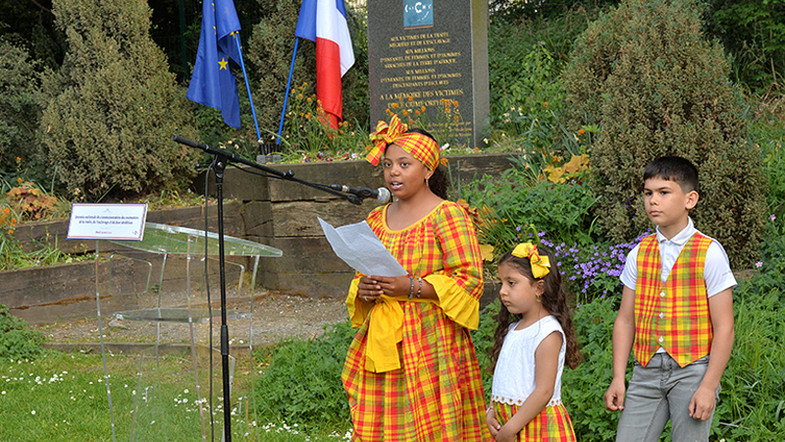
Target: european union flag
pixel 212 82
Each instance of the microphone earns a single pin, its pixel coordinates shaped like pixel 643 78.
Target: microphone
pixel 381 194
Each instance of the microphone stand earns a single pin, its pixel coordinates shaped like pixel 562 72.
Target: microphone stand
pixel 222 158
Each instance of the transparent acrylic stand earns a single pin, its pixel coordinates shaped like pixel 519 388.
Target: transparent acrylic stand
pixel 164 248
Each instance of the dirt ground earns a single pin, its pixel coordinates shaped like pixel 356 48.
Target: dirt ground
pixel 276 316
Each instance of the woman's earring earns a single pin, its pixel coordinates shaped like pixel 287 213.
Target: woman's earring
pixel 539 298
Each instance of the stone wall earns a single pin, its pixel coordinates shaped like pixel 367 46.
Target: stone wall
pixel 282 214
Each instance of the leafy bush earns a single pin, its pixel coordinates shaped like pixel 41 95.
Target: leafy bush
pixel 20 107
pixel 754 33
pixel 583 388
pixel 520 10
pixel 515 208
pixel 17 339
pixel 303 384
pixel 115 106
pixel 307 138
pixel 644 74
pixel 528 102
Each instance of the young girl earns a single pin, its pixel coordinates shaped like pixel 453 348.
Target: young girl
pixel 534 337
pixel 411 372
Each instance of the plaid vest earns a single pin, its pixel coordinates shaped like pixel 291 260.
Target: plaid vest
pixel 675 314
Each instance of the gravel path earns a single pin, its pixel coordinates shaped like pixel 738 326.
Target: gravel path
pixel 276 316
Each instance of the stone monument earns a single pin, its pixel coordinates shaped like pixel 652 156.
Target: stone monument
pixel 421 52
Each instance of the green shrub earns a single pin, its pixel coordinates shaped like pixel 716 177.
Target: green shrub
pixel 527 105
pixel 20 108
pixel 753 32
pixel 584 387
pixel 655 87
pixel 516 208
pixel 303 384
pixel 17 339
pixel 115 106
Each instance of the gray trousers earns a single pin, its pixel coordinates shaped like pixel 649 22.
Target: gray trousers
pixel 661 391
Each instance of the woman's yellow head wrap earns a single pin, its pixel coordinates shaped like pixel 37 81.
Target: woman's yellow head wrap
pixel 422 147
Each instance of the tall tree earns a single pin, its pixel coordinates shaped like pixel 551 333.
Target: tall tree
pixel 116 105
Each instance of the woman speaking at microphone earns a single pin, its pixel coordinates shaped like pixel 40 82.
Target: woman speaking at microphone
pixel 411 372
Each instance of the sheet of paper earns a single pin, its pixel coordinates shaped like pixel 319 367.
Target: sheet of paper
pixel 361 249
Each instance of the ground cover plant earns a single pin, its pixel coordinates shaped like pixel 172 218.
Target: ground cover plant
pixel 63 397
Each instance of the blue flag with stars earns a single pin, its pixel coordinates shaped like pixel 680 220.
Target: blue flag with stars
pixel 212 82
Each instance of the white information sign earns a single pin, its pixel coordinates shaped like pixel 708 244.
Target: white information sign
pixel 107 221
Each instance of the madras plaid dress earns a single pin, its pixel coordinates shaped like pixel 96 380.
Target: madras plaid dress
pixel 436 394
pixel 552 424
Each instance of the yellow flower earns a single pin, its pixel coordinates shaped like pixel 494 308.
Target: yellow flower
pixel 555 174
pixel 486 250
pixel 395 105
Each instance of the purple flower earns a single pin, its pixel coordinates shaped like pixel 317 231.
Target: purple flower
pixel 773 217
pixel 759 264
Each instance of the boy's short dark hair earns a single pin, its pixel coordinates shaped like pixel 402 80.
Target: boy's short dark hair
pixel 673 168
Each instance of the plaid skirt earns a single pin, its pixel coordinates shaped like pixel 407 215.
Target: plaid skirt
pixel 552 424
pixel 437 393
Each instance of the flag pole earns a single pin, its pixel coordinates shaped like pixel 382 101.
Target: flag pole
pixel 286 96
pixel 248 89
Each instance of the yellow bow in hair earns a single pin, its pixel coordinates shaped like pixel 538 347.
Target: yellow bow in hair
pixel 385 134
pixel 540 264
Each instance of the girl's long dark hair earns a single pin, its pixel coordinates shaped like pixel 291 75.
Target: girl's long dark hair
pixel 554 300
pixel 439 182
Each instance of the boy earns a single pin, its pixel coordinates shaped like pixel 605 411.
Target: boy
pixel 676 314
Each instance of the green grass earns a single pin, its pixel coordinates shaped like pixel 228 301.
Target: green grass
pixel 63 397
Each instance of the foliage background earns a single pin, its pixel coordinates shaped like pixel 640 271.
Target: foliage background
pixel 114 105
pixel 646 76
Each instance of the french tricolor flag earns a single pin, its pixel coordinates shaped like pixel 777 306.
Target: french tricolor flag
pixel 324 22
